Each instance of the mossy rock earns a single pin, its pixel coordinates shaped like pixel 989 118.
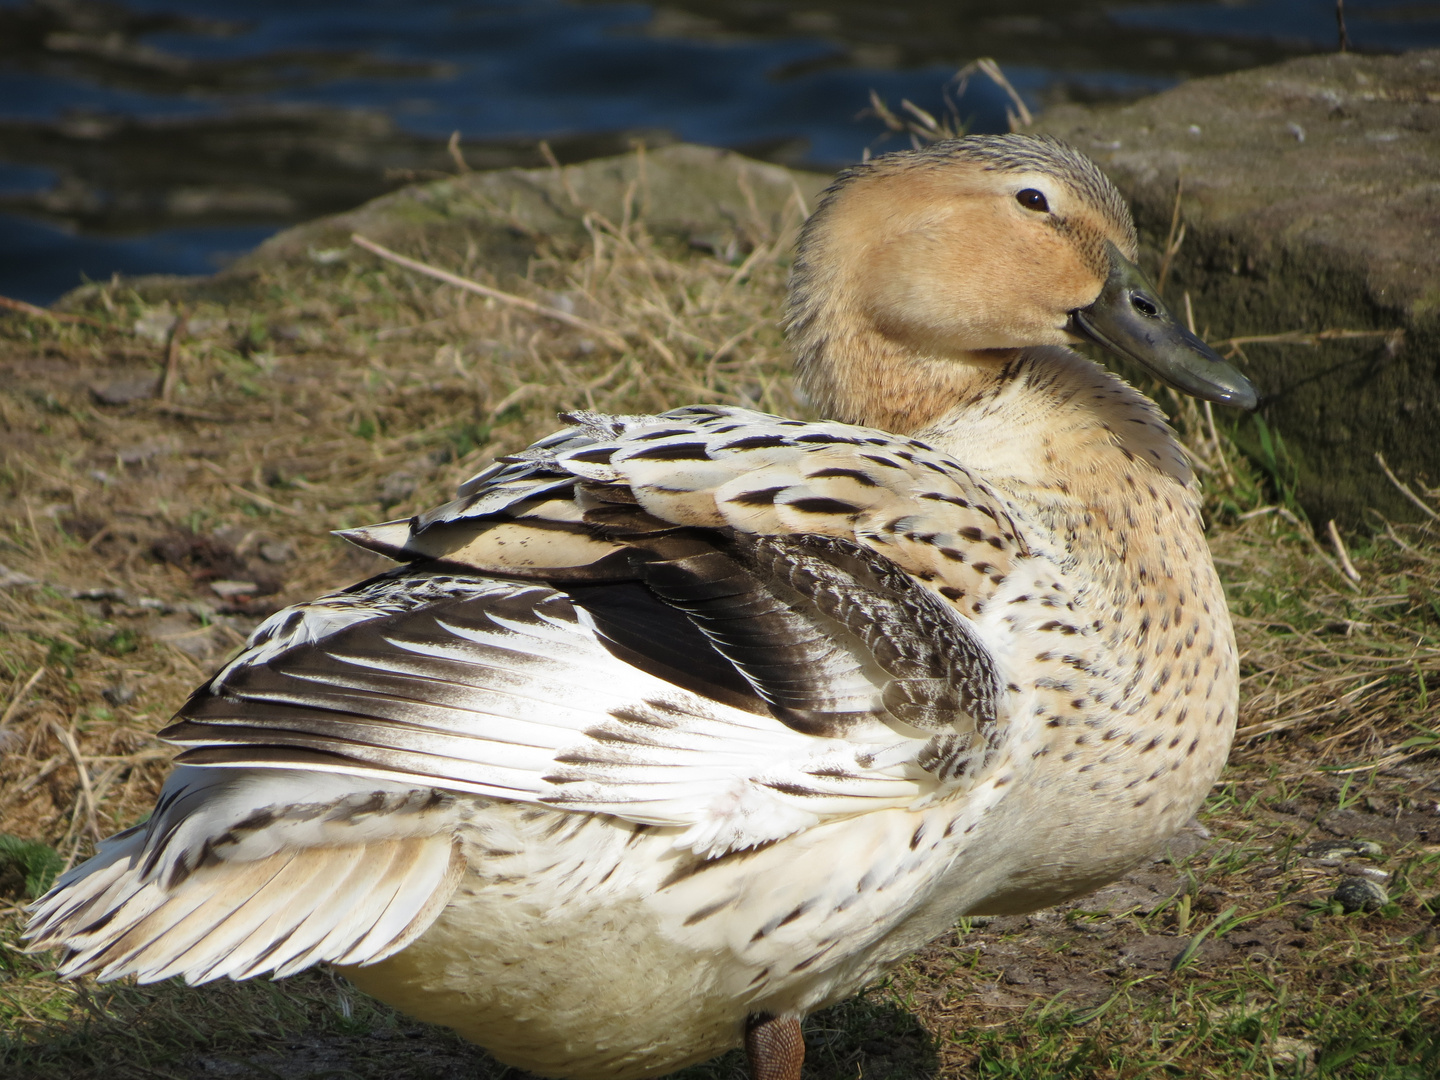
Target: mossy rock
pixel 496 222
pixel 1309 197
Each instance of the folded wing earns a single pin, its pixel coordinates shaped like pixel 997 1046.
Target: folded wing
pixel 721 624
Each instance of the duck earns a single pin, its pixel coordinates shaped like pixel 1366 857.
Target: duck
pixel 671 730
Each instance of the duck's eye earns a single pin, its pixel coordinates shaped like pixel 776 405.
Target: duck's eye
pixel 1032 200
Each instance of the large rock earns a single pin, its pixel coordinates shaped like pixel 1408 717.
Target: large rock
pixel 498 221
pixel 1310 197
pixel 699 194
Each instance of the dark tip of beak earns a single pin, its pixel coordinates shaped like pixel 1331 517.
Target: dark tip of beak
pixel 1128 319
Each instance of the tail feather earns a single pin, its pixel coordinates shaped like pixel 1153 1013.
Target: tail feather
pixel 218 929
pixel 87 890
pixel 245 893
pixel 436 861
pixel 279 914
pixel 306 935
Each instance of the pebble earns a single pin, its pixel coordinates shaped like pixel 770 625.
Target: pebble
pixel 276 551
pixel 231 589
pixel 1337 850
pixel 1360 894
pixel 126 391
pixel 10 579
pixel 119 693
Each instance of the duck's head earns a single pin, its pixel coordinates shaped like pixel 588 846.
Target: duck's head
pixel 973 248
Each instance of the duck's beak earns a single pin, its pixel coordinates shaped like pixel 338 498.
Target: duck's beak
pixel 1128 319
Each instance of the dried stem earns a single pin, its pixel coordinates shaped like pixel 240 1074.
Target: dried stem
pixel 20 694
pixel 453 148
pixel 1404 488
pixel 1339 544
pixel 1021 116
pixel 1302 337
pixel 1173 239
pixel 87 793
pixel 45 313
pixel 611 338
pixel 172 355
pixel 1309 536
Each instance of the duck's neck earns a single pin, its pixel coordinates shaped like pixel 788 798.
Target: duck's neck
pixel 868 379
pixel 1053 431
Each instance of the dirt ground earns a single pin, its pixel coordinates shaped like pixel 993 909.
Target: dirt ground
pixel 172 458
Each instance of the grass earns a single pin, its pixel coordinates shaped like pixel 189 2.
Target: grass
pixel 142 539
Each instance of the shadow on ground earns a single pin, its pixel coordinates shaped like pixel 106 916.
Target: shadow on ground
pixel 316 1027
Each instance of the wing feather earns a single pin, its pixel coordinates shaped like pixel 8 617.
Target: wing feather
pixel 721 467
pixel 808 569
pixel 527 702
pixel 246 872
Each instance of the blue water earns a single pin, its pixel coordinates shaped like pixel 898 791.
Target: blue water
pixel 29 252
pixel 538 68
pixel 1376 25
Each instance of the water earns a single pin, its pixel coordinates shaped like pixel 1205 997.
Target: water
pixel 166 136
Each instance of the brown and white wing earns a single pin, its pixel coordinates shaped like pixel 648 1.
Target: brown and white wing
pixel 313 817
pixel 703 625
pixel 737 688
pixel 721 467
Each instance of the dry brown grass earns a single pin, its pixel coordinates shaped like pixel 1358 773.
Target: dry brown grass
pixel 324 401
pixel 368 401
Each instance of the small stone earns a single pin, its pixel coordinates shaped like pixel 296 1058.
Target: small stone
pixel 200 642
pixel 10 579
pixel 1359 894
pixel 1185 844
pixel 1286 1050
pixel 1335 851
pixel 276 551
pixel 397 487
pixel 725 246
pixel 155 325
pixel 1125 896
pixel 562 301
pixel 139 455
pixel 126 391
pixel 119 694
pixel 118 596
pixel 228 590
pixel 199 328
